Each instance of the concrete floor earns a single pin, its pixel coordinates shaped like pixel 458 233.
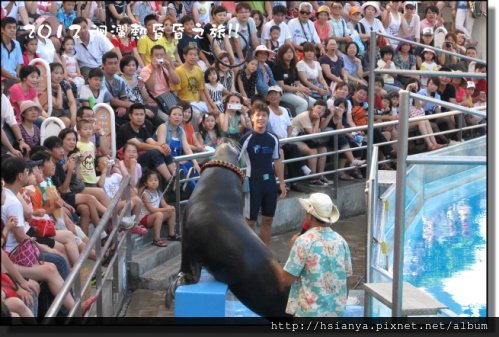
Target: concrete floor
pixel 150 303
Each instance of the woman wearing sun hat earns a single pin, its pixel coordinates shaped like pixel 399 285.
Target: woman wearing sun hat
pixel 318 264
pixel 265 77
pixel 371 12
pixel 322 25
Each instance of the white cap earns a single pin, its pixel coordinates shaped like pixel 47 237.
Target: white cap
pixel 428 31
pixel 470 84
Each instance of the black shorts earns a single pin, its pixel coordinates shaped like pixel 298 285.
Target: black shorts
pixel 70 198
pixel 262 195
pixel 40 239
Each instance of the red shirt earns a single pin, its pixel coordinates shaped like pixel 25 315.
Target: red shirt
pixel 125 50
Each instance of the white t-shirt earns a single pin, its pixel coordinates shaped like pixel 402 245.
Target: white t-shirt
pixel 13 207
pixel 46 50
pixel 285 35
pixel 86 93
pixel 203 11
pixel 242 29
pixel 311 73
pixel 302 32
pixel 112 184
pixel 91 56
pixel 7 112
pixel 280 123
pixel 301 122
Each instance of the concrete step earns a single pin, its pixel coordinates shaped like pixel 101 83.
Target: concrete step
pixel 148 257
pixel 160 277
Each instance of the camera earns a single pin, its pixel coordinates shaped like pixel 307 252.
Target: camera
pixel 110 162
pixel 448 44
pixel 234 106
pixel 161 61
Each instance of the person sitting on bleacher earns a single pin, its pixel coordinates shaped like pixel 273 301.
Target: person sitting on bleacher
pixel 308 122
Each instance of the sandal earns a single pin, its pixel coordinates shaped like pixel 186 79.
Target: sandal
pixel 159 243
pixel 357 174
pixel 174 237
pixel 140 230
pixel 345 176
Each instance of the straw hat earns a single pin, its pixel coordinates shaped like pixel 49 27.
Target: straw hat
pixel 265 49
pixel 373 4
pixel 324 9
pixel 321 207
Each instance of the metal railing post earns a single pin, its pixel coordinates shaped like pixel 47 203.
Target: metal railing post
pixel 460 127
pixel 177 198
pixel 372 191
pixel 372 66
pixel 398 257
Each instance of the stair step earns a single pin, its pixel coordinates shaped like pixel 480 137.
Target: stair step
pixel 158 278
pixel 147 258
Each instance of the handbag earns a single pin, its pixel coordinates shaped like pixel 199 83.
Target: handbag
pixel 43 227
pixel 167 101
pixel 26 254
pixel 9 287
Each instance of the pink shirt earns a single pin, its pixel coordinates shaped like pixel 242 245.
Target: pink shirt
pixel 17 96
pixel 160 84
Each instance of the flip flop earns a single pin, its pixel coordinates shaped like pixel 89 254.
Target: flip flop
pixel 159 243
pixel 346 177
pixel 174 237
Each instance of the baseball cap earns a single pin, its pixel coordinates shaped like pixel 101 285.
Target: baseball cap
pixel 275 88
pixel 470 85
pixel 354 9
pixel 428 31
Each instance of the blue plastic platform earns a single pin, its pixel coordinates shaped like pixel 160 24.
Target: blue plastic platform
pixel 208 298
pixel 203 299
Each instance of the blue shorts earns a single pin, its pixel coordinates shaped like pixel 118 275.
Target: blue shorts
pixel 262 195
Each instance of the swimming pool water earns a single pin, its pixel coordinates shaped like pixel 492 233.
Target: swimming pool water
pixel 445 249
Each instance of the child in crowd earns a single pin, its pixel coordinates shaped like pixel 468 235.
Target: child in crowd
pixel 45 201
pixel 209 135
pixel 394 102
pixel 246 80
pixel 215 91
pixel 273 43
pixel 416 110
pixel 70 64
pixel 94 92
pixel 30 45
pixel 155 210
pixel 87 151
pixel 112 172
pixel 428 64
pixel 386 63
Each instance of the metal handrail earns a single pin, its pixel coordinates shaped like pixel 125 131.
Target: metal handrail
pixel 429 73
pixel 431 47
pixel 94 242
pixel 373 71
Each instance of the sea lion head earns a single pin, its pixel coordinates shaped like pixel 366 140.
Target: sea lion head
pixel 228 151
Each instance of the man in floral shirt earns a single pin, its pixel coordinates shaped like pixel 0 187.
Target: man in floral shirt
pixel 319 264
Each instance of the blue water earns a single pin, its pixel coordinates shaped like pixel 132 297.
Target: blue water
pixel 445 249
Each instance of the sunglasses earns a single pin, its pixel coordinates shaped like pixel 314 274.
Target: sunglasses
pixel 410 7
pixel 304 13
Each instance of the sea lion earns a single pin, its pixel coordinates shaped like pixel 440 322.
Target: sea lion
pixel 215 235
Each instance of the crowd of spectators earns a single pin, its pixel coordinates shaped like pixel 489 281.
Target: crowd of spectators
pixel 162 68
